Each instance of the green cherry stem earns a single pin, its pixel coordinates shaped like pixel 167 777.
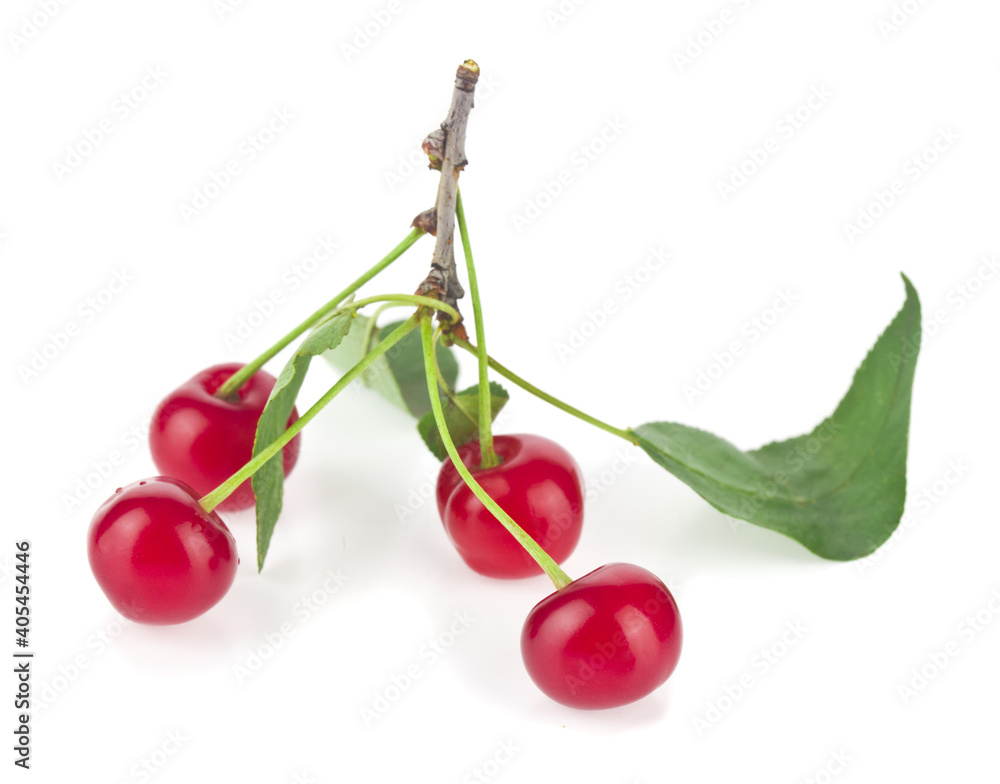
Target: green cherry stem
pixel 235 381
pixel 559 578
pixel 366 339
pixel 488 458
pixel 400 299
pixel 443 382
pixel 529 387
pixel 219 494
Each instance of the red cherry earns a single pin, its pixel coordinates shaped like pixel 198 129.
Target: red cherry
pixel 537 483
pixel 203 440
pixel 158 556
pixel 605 640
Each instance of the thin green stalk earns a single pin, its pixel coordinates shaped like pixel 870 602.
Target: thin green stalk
pixel 219 494
pixel 366 339
pixel 235 381
pixel 488 458
pixel 443 382
pixel 405 299
pixel 439 374
pixel 559 578
pixel 528 387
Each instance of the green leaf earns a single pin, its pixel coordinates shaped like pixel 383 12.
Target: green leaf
pixel 838 490
pixel 357 343
pixel 399 376
pixel 461 414
pixel 268 480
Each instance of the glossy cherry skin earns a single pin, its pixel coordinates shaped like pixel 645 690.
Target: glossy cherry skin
pixel 203 440
pixel 537 483
pixel 605 640
pixel 159 557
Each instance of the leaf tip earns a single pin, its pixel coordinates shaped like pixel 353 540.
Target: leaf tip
pixel 911 291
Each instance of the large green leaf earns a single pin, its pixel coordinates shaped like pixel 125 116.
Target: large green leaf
pixel 838 490
pixel 268 480
pixel 398 376
pixel 461 414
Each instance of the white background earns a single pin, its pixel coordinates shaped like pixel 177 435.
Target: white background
pixel 829 707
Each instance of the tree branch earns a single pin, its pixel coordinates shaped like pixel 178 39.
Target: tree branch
pixel 446 148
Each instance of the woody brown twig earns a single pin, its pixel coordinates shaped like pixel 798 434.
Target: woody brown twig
pixel 445 146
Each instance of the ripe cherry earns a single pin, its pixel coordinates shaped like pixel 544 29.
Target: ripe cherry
pixel 605 640
pixel 537 483
pixel 159 557
pixel 203 440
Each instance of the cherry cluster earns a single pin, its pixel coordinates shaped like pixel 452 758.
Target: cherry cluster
pixel 604 640
pixel 511 505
